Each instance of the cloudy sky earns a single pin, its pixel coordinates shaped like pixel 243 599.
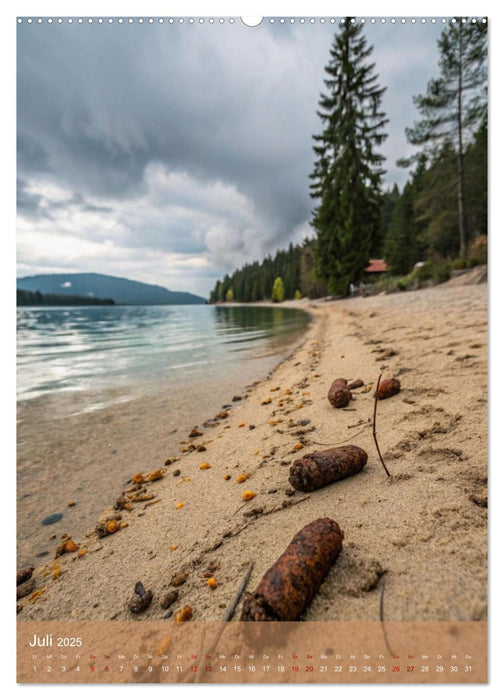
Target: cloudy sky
pixel 171 154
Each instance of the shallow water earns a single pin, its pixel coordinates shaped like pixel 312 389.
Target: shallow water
pixel 105 392
pixel 130 349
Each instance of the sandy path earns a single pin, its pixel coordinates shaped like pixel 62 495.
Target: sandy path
pixel 423 532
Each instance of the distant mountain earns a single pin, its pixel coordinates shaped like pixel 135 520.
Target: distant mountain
pixel 121 290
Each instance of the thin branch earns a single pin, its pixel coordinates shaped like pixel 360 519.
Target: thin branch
pixel 374 427
pixel 382 617
pixel 289 504
pixel 335 444
pixel 240 507
pixel 234 603
pixel 226 618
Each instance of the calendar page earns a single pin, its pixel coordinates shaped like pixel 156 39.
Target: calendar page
pixel 251 349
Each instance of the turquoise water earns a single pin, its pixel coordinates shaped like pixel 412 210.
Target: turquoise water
pixel 135 348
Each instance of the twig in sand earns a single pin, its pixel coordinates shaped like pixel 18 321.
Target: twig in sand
pixel 382 618
pixel 276 509
pixel 335 444
pixel 227 616
pixel 356 425
pixel 374 427
pixel 234 603
pixel 240 507
pixel 288 504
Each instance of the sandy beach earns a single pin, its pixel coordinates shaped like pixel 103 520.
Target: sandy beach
pixel 422 532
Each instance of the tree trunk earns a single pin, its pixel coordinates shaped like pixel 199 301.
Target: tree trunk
pixel 462 219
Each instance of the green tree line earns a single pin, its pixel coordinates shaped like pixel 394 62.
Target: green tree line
pixel 255 281
pixel 441 213
pixel 425 223
pixel 27 298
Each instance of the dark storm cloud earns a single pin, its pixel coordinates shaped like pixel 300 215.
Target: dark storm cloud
pixel 78 200
pixel 33 205
pixel 27 204
pixel 30 154
pixel 208 127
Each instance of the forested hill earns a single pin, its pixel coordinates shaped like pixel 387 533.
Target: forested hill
pixel 121 290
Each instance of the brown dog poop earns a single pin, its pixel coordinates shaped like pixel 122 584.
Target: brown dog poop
pixel 339 394
pixel 289 586
pixel 388 388
pixel 315 470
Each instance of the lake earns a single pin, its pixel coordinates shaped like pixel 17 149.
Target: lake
pixel 134 349
pixel 104 392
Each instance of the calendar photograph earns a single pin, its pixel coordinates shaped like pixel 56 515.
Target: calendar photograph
pixel 251 349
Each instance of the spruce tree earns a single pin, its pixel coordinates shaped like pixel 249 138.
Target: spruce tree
pixel 401 248
pixel 477 183
pixel 436 206
pixel 403 242
pixel 390 199
pixel 455 104
pixel 347 174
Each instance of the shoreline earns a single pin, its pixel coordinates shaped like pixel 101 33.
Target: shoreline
pixel 90 436
pixel 423 532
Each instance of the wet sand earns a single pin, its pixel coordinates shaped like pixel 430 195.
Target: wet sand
pixel 422 532
pixel 79 447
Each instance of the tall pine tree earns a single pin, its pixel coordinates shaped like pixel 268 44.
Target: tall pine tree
pixel 390 199
pixel 455 104
pixel 402 247
pixel 347 173
pixel 436 205
pixel 403 243
pixel 477 182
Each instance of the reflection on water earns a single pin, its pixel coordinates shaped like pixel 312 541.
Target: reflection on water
pixel 98 348
pixel 256 318
pixel 245 325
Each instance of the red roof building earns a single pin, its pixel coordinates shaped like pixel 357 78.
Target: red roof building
pixel 376 266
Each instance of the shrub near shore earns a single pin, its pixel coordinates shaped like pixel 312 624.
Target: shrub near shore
pixel 434 271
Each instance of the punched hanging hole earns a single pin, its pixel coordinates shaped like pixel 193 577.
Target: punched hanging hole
pixel 252 21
